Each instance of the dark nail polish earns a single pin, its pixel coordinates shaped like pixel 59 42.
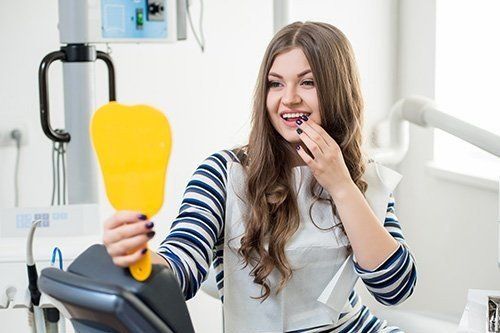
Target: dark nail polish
pixel 304 117
pixel 150 225
pixel 151 234
pixel 298 147
pixel 299 130
pixel 142 217
pixel 298 121
pixel 144 251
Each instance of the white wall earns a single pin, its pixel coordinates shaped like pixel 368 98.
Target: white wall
pixel 459 248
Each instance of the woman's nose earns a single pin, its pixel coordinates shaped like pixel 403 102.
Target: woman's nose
pixel 291 97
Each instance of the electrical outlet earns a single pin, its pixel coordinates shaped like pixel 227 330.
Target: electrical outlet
pixel 6 128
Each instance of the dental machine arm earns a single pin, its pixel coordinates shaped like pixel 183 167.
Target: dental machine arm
pixel 423 112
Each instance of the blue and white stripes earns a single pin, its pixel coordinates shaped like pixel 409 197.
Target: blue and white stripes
pixel 196 240
pixel 394 280
pixel 196 235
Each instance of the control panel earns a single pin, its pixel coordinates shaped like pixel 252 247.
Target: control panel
pixel 134 19
pixel 121 21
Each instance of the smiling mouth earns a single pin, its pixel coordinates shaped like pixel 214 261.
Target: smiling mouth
pixel 294 117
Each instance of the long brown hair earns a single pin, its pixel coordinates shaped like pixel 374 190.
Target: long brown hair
pixel 273 215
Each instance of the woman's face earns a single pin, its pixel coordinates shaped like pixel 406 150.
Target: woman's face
pixel 292 92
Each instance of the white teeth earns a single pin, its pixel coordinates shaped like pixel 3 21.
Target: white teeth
pixel 293 115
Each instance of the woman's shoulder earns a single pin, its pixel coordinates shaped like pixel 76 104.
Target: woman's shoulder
pixel 217 163
pixel 225 156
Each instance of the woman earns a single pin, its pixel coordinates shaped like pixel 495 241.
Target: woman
pixel 288 220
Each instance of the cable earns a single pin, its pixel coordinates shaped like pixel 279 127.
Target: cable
pixel 53 174
pixel 63 155
pixel 55 321
pixel 58 173
pixel 56 252
pixel 16 135
pixel 202 42
pixel 52 314
pixel 35 294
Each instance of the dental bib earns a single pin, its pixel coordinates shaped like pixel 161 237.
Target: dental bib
pixel 324 274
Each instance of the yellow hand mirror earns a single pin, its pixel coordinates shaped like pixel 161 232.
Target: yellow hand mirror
pixel 133 146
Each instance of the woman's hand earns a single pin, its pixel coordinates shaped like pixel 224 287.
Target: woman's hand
pixel 126 235
pixel 327 162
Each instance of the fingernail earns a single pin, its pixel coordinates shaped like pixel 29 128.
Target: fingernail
pixel 304 117
pixel 142 217
pixel 150 225
pixel 299 130
pixel 298 121
pixel 151 234
pixel 144 251
pixel 298 147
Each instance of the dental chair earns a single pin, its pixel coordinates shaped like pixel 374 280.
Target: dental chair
pixel 102 297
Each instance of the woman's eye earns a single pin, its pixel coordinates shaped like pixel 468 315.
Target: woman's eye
pixel 308 82
pixel 274 84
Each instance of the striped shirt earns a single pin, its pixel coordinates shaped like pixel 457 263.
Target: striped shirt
pixel 196 240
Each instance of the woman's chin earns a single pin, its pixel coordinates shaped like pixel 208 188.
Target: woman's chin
pixel 293 141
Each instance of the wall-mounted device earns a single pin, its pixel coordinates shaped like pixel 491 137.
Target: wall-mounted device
pixel 125 21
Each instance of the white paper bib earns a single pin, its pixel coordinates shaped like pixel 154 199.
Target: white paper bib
pixel 323 274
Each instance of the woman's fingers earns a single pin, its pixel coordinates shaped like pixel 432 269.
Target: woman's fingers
pixel 128 245
pixel 125 236
pixel 128 260
pixel 315 133
pixel 123 217
pixel 125 231
pixel 329 141
pixel 313 147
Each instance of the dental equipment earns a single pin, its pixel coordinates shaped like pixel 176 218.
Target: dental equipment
pixel 35 294
pixel 16 135
pixel 55 320
pixel 423 112
pixel 83 23
pixel 56 252
pixel 493 314
pixel 102 297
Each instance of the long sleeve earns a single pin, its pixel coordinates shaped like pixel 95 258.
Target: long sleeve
pixel 394 280
pixel 189 246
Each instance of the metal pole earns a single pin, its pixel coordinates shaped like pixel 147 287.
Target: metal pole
pixel 280 14
pixel 423 112
pixel 476 136
pixel 79 92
